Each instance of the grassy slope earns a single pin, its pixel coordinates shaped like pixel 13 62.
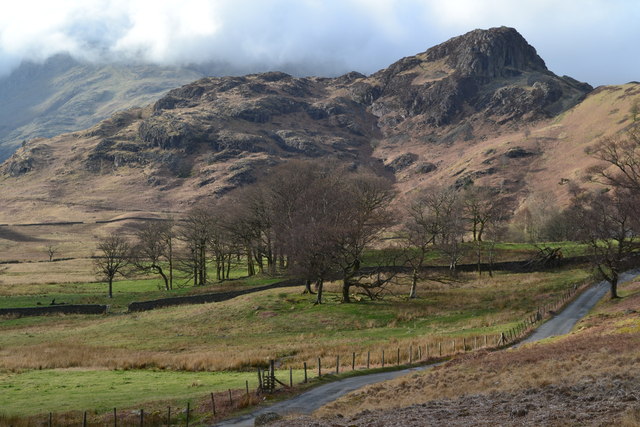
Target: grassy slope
pixel 65 390
pixel 604 347
pixel 87 354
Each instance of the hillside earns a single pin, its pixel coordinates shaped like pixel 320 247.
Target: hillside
pixel 63 94
pixel 480 108
pixel 589 377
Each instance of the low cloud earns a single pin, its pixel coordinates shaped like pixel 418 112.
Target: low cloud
pixel 582 38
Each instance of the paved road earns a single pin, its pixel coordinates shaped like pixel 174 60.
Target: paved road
pixel 564 321
pixel 313 399
pixel 319 396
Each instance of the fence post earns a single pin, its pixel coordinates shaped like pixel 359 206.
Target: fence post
pixel 84 419
pixel 50 419
pixel 213 405
pixel 398 361
pixel 115 418
pixel 419 352
pixel 440 347
pixel 188 411
pixel 169 415
pixel 337 365
pixel 426 347
pixel 319 369
pixel 272 375
pixel 353 361
pixel 141 417
pixel 247 385
pixel 230 399
pixel 410 354
pixel 305 372
pixel 368 358
pixel 290 379
pixel 383 358
pixel 260 386
pixel 464 343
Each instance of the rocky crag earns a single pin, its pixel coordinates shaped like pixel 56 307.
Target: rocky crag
pixel 216 134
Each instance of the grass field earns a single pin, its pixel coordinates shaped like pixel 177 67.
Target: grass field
pixel 75 362
pixel 220 344
pixel 601 352
pixel 63 390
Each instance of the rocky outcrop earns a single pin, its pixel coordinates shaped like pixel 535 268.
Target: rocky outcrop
pixel 488 54
pixel 216 134
pixel 402 162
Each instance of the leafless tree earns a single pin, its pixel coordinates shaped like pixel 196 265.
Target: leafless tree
pixel 484 210
pixel 193 231
pixel 154 247
pixel 364 215
pixel 52 250
pixel 608 223
pixel 113 258
pixel 482 205
pixel 621 157
pixel 222 246
pixel 423 227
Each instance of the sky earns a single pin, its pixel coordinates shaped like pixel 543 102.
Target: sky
pixel 591 40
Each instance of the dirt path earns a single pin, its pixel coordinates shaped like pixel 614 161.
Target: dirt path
pixel 313 399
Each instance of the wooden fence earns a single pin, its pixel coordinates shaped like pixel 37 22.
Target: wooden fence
pixel 220 404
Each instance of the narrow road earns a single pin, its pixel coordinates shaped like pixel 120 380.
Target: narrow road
pixel 313 399
pixel 563 322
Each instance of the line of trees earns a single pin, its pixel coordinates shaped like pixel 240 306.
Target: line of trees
pixel 316 221
pixel 312 219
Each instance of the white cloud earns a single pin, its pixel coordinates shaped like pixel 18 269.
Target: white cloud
pixel 583 38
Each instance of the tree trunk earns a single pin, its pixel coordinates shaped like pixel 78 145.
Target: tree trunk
pixel 491 259
pixel 164 276
pixel 414 283
pixel 614 287
pixel 346 286
pixel 307 288
pixel 110 287
pixel 170 247
pixel 319 285
pixel 251 271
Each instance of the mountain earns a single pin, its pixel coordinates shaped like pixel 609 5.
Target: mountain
pixel 480 108
pixel 63 94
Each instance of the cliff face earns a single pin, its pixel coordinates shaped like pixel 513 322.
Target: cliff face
pixel 215 134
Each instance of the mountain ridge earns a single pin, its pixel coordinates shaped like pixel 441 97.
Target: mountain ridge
pixel 420 120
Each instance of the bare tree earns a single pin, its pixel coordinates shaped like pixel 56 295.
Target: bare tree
pixel 365 213
pixel 153 248
pixel 308 199
pixel 482 206
pixel 113 258
pixel 608 224
pixel 484 209
pixel 52 250
pixel 194 232
pixel 621 157
pixel 223 248
pixel 423 227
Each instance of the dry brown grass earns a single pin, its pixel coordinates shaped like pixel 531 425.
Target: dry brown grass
pixel 607 345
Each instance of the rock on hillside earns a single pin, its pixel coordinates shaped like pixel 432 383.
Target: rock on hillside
pixel 215 134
